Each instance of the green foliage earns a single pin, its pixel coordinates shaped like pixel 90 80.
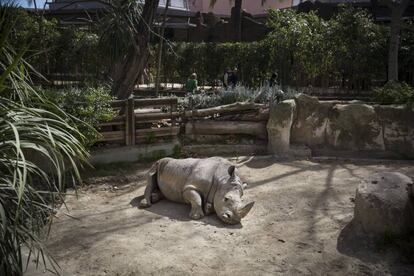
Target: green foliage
pixel 406 53
pixel 88 106
pixel 263 94
pixel 209 61
pixel 349 50
pixel 150 138
pixel 359 47
pixel 38 150
pixel 299 49
pixel 55 49
pixel 177 152
pixel 118 28
pixel 395 93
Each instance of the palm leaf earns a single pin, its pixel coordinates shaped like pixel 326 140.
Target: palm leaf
pixel 28 188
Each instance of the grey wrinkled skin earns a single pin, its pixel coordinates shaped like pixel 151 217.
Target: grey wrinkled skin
pixel 192 180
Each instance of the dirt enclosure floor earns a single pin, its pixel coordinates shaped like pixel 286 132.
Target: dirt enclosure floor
pixel 298 226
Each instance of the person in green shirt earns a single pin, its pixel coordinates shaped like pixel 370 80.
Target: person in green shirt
pixel 192 84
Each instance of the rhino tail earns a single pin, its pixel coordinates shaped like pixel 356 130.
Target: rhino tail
pixel 152 185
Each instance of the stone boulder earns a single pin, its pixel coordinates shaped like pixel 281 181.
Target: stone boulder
pixel 383 204
pixel 398 128
pixel 312 118
pixel 279 125
pixel 354 127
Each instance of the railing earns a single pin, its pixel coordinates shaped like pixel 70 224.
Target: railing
pixel 135 126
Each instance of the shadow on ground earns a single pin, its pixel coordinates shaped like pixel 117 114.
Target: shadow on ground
pixel 353 243
pixel 180 212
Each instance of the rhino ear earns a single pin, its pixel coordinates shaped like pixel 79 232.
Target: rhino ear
pixel 243 211
pixel 232 170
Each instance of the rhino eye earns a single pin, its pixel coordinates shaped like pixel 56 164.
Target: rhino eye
pixel 226 199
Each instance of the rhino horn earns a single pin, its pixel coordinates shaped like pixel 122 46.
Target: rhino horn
pixel 244 210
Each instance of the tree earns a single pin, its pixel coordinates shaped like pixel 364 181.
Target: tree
pixel 397 8
pixel 132 21
pixel 162 32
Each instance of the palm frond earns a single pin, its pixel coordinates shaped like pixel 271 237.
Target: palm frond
pixel 38 149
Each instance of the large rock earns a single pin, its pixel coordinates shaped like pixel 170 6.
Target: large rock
pixel 312 118
pixel 281 118
pixel 398 125
pixel 354 127
pixel 383 204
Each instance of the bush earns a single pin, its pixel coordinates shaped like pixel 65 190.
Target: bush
pixel 39 150
pixel 395 93
pixel 263 94
pixel 89 106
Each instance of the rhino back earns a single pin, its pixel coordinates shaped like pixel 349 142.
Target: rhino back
pixel 175 175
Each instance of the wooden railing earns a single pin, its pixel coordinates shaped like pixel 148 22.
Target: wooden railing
pixel 135 127
pixel 138 123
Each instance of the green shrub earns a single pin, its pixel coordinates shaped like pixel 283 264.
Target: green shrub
pixel 263 94
pixel 89 106
pixel 395 93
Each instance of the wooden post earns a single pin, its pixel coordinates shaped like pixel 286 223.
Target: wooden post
pixel 173 111
pixel 130 122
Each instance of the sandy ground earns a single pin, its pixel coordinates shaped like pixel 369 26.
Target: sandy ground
pixel 298 226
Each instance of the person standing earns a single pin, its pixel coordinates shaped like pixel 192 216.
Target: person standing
pixel 192 84
pixel 226 77
pixel 273 80
pixel 233 78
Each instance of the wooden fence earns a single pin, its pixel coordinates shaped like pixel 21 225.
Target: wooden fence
pixel 151 121
pixel 137 125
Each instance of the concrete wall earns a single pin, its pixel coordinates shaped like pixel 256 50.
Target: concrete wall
pixel 353 128
pixel 134 153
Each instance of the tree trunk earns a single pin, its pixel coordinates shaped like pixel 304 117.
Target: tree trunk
pixel 136 59
pixel 397 10
pixel 237 20
pixel 157 82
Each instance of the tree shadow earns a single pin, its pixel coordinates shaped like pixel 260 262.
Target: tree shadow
pixel 300 169
pixel 256 162
pixel 180 212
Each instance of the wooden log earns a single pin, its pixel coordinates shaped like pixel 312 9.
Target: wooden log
pixel 232 150
pixel 223 109
pixel 225 139
pixel 117 121
pixel 149 117
pixel 226 127
pixel 112 136
pixel 157 132
pixel 118 103
pixel 255 116
pixel 155 102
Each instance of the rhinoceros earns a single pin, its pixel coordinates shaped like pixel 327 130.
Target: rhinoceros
pixel 210 184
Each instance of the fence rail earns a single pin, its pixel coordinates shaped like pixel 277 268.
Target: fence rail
pixel 137 127
pixel 143 122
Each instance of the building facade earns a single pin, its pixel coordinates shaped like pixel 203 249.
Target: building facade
pixel 254 7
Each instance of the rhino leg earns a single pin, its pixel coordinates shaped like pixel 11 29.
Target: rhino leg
pixel 150 189
pixel 208 209
pixel 194 198
pixel 156 196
